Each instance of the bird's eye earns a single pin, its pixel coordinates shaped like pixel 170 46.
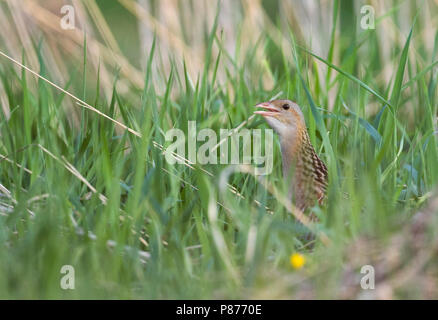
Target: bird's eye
pixel 285 106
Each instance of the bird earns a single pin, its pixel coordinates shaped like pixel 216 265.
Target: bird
pixel 304 172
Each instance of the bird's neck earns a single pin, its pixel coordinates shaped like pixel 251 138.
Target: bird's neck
pixel 291 151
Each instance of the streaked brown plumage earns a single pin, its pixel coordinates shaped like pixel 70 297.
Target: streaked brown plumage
pixel 301 164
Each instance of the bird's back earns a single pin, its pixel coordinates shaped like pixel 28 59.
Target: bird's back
pixel 310 178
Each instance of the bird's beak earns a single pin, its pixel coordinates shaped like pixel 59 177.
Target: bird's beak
pixel 271 111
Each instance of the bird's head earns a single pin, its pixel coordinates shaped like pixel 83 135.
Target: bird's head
pixel 284 116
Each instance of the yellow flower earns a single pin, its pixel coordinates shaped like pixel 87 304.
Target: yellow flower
pixel 297 260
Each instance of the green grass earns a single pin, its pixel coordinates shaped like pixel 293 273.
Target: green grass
pixel 93 182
